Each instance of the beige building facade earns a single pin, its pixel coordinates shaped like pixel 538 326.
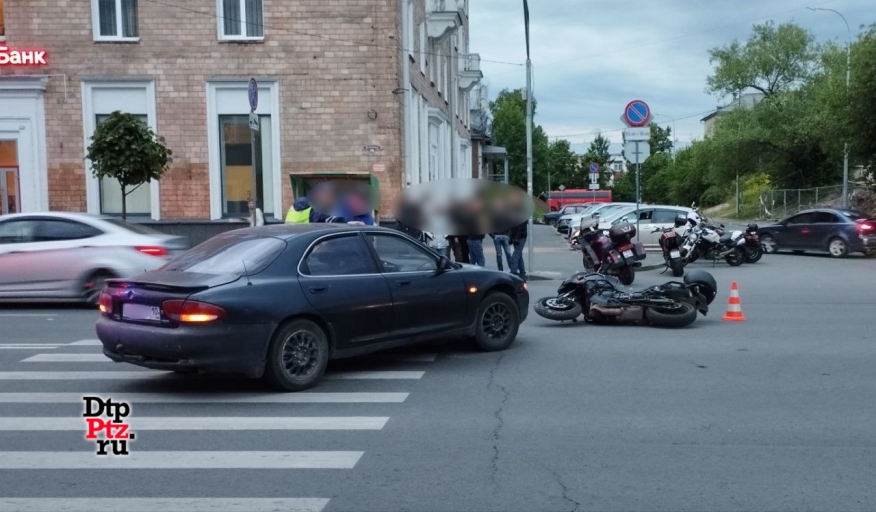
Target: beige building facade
pixel 376 87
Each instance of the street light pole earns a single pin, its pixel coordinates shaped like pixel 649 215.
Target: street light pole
pixel 528 130
pixel 848 98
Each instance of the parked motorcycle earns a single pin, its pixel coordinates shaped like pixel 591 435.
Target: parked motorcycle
pixel 753 248
pixel 601 300
pixel 712 243
pixel 613 254
pixel 670 245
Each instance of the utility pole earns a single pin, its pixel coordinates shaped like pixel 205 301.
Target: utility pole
pixel 848 99
pixel 638 192
pixel 528 131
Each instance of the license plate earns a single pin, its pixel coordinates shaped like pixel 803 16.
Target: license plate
pixel 141 312
pixel 628 254
pixel 674 254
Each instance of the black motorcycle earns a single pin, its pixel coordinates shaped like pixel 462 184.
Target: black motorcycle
pixel 753 248
pixel 670 245
pixel 614 253
pixel 602 300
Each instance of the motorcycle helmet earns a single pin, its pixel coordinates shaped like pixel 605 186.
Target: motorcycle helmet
pixel 680 220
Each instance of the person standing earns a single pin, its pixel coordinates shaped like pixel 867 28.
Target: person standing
pixel 476 250
pixel 502 243
pixel 518 237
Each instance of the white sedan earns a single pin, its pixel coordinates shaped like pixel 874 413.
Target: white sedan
pixel 69 256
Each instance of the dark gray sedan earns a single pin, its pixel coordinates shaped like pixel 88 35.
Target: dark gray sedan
pixel 839 232
pixel 280 301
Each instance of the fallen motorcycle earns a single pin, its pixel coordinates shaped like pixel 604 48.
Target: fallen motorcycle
pixel 602 299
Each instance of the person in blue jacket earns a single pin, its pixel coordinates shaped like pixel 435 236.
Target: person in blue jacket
pixel 355 208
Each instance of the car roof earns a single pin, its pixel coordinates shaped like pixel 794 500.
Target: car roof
pixel 57 215
pixel 288 231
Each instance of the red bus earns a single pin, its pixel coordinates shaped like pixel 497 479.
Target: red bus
pixel 556 199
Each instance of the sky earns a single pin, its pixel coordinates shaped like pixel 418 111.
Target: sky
pixel 590 58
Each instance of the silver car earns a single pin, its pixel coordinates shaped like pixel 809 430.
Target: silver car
pixel 69 256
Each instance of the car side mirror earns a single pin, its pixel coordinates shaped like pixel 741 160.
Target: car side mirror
pixel 443 265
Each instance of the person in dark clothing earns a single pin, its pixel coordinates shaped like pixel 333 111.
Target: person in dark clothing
pixel 459 247
pixel 518 237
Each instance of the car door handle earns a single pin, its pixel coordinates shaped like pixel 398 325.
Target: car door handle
pixel 402 283
pixel 318 289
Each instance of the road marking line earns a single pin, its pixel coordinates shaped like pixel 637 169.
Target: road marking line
pixel 25 347
pixel 24 343
pixel 181 460
pixel 27 314
pixel 374 375
pixel 147 374
pixel 170 504
pixel 68 358
pixel 100 358
pixel 86 343
pixel 206 398
pixel 33 424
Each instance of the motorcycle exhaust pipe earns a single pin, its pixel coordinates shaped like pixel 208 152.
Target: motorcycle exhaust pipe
pixel 606 311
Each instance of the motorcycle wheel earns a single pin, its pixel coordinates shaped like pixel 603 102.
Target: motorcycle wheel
pixel 737 257
pixel 627 275
pixel 677 266
pixel 681 317
pixel 553 308
pixel 753 254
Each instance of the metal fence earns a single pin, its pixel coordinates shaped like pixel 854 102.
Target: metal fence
pixel 777 204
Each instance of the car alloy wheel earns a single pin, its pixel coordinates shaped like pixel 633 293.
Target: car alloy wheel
pixel 300 355
pixel 497 322
pixel 297 356
pixel 837 248
pixel 93 286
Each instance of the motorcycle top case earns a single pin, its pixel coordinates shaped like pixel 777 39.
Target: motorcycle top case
pixel 622 233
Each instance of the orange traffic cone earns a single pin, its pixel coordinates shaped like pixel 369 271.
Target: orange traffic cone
pixel 734 305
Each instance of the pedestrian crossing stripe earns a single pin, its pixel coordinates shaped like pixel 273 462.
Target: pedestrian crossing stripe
pixel 82 460
pixel 176 423
pixel 152 375
pixel 169 504
pixel 100 358
pixel 208 398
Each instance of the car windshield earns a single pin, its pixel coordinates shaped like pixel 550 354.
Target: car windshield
pixel 136 228
pixel 237 255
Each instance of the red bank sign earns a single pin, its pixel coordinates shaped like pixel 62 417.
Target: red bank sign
pixel 10 57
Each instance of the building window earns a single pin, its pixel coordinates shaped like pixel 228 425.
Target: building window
pixel 422 47
pixel 241 20
pixel 2 23
pixel 230 153
pixel 115 20
pixel 138 201
pixel 235 147
pixel 409 28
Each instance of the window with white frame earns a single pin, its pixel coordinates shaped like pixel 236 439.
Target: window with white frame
pixel 241 20
pixel 99 100
pixel 438 70
pixel 232 154
pixel 115 20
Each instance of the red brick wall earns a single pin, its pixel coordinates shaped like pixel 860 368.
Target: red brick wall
pixel 326 87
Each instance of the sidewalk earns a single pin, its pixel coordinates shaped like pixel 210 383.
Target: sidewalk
pixel 552 258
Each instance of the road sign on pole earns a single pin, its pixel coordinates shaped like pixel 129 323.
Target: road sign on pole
pixel 594 168
pixel 561 188
pixel 253 96
pixel 633 134
pixel 637 151
pixel 594 186
pixel 637 113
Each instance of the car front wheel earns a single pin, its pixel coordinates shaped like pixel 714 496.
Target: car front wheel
pixel 298 356
pixel 769 244
pixel 497 322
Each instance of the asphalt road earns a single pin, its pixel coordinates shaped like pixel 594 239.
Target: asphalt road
pixel 775 413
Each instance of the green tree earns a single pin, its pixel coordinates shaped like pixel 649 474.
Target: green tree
pixel 125 148
pixel 863 101
pixel 772 60
pixel 509 131
pixel 564 166
pixel 598 153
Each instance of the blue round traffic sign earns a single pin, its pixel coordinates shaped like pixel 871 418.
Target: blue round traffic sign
pixel 253 93
pixel 637 113
pixel 594 168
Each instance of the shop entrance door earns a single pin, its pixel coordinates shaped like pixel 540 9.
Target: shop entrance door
pixel 10 191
